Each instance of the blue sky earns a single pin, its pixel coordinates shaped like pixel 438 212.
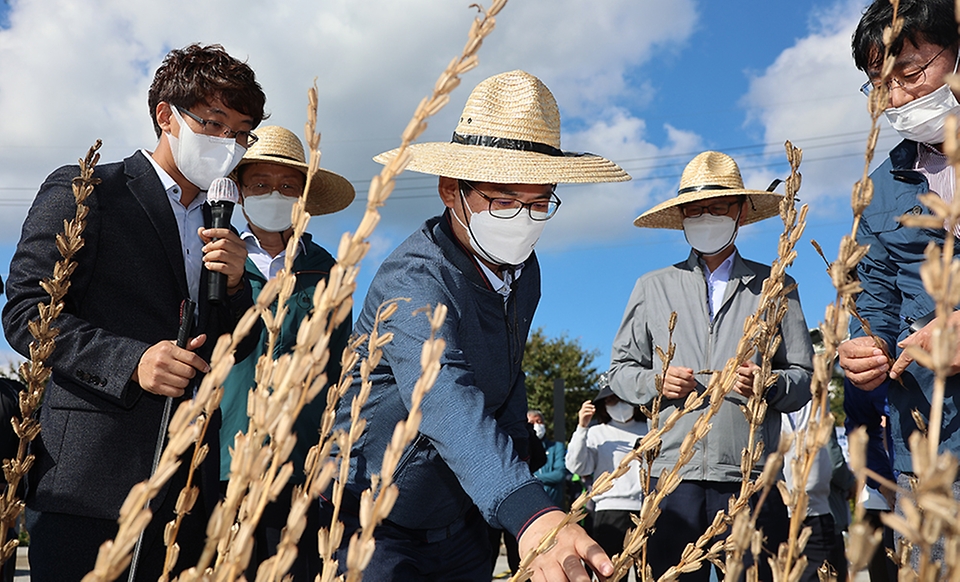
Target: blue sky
pixel 647 84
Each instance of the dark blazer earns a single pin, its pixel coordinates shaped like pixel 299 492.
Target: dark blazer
pixel 98 428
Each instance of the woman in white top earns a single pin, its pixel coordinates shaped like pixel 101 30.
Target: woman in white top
pixel 598 448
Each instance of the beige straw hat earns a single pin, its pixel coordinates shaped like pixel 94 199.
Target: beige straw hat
pixel 509 133
pixel 328 193
pixel 710 175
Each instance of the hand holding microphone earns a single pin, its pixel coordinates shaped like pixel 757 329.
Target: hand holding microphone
pixel 224 254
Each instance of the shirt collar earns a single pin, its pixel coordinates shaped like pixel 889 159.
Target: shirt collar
pixel 501 286
pixel 251 239
pixel 170 185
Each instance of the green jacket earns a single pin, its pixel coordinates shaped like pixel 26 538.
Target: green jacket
pixel 311 266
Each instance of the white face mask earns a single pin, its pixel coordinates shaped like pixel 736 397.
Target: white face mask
pixel 621 411
pixel 271 212
pixel 203 158
pixel 502 241
pixel 923 119
pixel 540 430
pixel 709 234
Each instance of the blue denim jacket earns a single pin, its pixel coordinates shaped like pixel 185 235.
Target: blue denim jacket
pixel 893 295
pixel 473 438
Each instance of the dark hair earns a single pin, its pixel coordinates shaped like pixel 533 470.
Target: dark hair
pixel 603 417
pixel 932 21
pixel 201 74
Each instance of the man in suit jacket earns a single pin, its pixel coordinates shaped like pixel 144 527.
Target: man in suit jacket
pixel 147 247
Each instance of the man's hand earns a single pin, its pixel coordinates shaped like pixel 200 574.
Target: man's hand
pixel 587 410
pixel 562 561
pixel 865 364
pixel 924 338
pixel 226 255
pixel 166 370
pixel 678 382
pixel 745 373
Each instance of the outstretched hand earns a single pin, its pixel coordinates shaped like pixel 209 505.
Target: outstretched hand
pixel 563 560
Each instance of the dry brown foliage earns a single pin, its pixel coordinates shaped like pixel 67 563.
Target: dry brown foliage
pixel 35 371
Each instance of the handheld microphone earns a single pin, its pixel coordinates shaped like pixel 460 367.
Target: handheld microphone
pixel 221 197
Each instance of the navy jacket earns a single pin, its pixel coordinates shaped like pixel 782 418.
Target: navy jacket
pixel 893 295
pixel 473 436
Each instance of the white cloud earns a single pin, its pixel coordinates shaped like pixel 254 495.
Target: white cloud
pixel 596 212
pixel 810 96
pixel 76 71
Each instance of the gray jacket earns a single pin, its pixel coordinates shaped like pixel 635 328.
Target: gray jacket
pixel 704 345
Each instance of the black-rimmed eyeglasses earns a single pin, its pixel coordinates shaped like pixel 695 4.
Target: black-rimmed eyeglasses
pixel 510 207
pixel 215 128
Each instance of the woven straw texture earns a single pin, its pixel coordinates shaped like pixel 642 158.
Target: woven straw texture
pixel 710 175
pixel 328 193
pixel 515 106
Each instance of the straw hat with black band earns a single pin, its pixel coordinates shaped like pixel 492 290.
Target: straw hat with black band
pixel 509 133
pixel 328 192
pixel 711 175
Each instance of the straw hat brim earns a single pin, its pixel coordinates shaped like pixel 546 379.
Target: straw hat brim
pixel 329 192
pixel 760 204
pixel 503 166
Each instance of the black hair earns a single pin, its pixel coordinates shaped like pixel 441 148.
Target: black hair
pixel 931 21
pixel 200 74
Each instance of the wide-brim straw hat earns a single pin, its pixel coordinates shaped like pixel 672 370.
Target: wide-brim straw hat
pixel 328 192
pixel 509 133
pixel 710 175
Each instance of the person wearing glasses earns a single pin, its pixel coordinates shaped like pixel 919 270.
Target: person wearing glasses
pixel 272 176
pixel 894 301
pixel 497 180
pixel 147 248
pixel 712 292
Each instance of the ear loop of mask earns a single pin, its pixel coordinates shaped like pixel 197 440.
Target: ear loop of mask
pixel 466 209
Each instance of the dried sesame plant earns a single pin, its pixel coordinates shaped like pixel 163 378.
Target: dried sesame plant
pixel 377 501
pixel 35 372
pixel 863 538
pixel 653 418
pixel 759 333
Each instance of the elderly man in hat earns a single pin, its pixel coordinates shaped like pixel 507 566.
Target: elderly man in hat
pixel 713 291
pixel 466 466
pixel 272 176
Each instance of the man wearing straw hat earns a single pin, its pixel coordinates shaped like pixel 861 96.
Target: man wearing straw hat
pixel 713 291
pixel 272 176
pixel 466 466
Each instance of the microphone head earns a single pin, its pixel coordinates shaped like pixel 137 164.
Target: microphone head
pixel 223 190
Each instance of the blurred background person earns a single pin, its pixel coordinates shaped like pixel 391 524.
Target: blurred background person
pixel 553 474
pixel 596 448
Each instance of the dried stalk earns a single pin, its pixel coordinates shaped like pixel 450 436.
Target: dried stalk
pixel 653 417
pixel 185 426
pixel 863 539
pixel 35 372
pixel 331 538
pixel 377 501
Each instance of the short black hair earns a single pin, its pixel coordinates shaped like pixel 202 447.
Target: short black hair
pixel 200 74
pixel 933 21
